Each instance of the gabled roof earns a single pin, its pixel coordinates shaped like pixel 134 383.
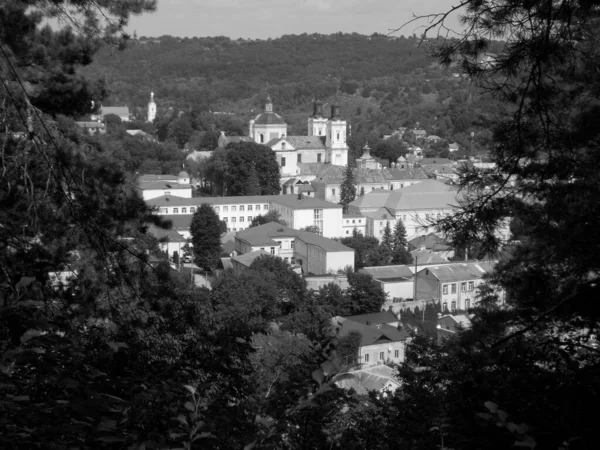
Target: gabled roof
pixel 371 334
pixel 388 272
pixel 430 241
pixel 269 118
pixel 181 222
pixel 428 194
pixel 275 141
pixel 168 235
pixel 307 142
pixel 369 379
pixel 373 199
pixel 376 318
pixel 460 271
pixel 380 214
pixel 149 185
pixel 248 258
pixel 427 257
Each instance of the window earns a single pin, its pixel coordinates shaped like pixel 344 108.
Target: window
pixel 471 286
pixel 453 306
pixel 249 218
pixel 453 288
pixel 164 210
pixel 282 162
pixel 366 358
pixel 175 210
pixel 167 193
pixel 272 250
pixel 193 209
pixel 183 210
pixel 445 289
pixel 299 158
pixel 381 356
pixel 318 220
pixel 318 154
pixel 225 208
pixel 233 209
pixel 233 219
pixel 293 244
pixel 338 135
pixel 467 304
pixel 396 353
pixel 261 138
pixel 333 192
pixel 445 307
pixel 262 248
pixel 353 221
pixel 347 231
pixel 265 207
pixel 286 259
pixel 283 146
pixel 249 207
pixel 463 286
pixel 241 218
pixel 257 207
pixel 293 260
pixel 241 208
pixel 225 219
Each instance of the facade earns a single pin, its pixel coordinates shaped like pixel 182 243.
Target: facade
pixel 92 127
pixel 351 222
pixel 301 211
pixel 325 141
pixel 397 282
pixel 151 109
pixel 452 286
pixel 154 186
pixel 313 253
pixel 121 111
pixel 169 241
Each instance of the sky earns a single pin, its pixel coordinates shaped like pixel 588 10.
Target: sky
pixel 261 19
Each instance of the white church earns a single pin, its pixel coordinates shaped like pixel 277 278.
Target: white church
pixel 325 142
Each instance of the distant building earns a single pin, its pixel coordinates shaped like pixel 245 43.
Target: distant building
pixel 396 281
pixel 121 111
pixel 351 222
pixel 151 109
pixel 142 134
pixel 169 241
pixel 243 262
pixel 92 127
pixel 449 324
pixel 154 186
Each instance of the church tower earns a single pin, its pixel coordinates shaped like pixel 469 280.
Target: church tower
pixel 151 109
pixel 267 125
pixel 337 150
pixel 317 123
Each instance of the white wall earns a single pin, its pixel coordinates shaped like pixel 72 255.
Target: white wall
pixel 337 261
pixel 148 194
pixel 389 352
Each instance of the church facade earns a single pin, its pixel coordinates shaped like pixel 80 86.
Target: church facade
pixel 325 141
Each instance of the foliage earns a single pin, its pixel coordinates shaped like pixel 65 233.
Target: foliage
pixel 400 253
pixel 367 250
pixel 271 216
pixel 390 149
pixel 205 229
pixel 348 188
pixel 365 295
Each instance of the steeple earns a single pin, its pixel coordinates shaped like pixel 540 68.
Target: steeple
pixel 151 109
pixel 269 105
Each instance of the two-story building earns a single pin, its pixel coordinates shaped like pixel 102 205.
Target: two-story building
pixel 351 222
pixel 153 186
pixel 315 254
pixel 452 286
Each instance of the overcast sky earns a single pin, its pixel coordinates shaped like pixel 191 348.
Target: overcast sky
pixel 273 18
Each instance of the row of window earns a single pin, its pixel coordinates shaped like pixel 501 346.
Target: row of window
pixel 453 305
pixel 241 208
pixel 299 156
pixel 464 287
pixel 353 221
pixel 234 219
pixel 382 356
pixel 176 210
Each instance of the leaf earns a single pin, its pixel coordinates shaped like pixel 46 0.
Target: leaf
pixel 328 368
pixel 250 446
pixel 485 416
pixel 189 406
pixel 318 375
pixel 6 386
pixel 24 282
pixel 21 398
pixel 491 406
pixel 26 303
pixel 191 389
pixel 502 415
pixel 526 441
pixel 30 334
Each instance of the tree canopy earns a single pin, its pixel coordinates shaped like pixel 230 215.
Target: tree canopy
pixel 206 237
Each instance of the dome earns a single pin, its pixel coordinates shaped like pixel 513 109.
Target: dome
pixel 269 118
pixel 183 174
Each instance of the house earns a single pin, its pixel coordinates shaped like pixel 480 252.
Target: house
pixel 242 262
pixel 92 127
pixel 169 241
pixel 121 111
pixel 153 186
pixel 301 211
pixel 375 378
pixel 379 344
pixel 449 324
pixel 446 175
pixel 396 281
pixel 316 254
pixel 433 243
pixel 433 138
pixel 366 161
pixel 142 134
pixel 427 257
pixel 351 222
pixel 453 147
pixel 415 205
pixel 419 133
pixel 452 286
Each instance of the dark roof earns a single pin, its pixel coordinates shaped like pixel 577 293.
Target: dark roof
pixel 169 235
pixel 269 118
pixel 430 241
pixel 247 258
pixel 149 185
pixel 388 272
pixel 305 202
pixel 180 221
pixel 427 257
pixel 307 142
pixel 461 271
pixel 371 334
pixel 376 318
pixel 444 161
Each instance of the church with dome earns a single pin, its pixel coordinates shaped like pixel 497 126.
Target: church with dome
pixel 325 141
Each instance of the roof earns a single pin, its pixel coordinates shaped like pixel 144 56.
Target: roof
pixel 374 199
pixel 247 258
pixel 427 257
pixel 444 161
pixel 428 194
pixel 274 230
pixel 180 221
pixel 91 124
pixel 369 379
pixel 269 118
pixel 162 185
pixel 139 133
pixel 430 241
pixel 335 175
pixel 169 235
pixel 380 214
pixel 352 216
pixel 374 318
pixel 461 271
pixel 151 177
pixel 388 272
pixel 226 262
pixel 260 239
pixel 199 154
pixel 312 168
pixel 170 200
pixel 305 202
pixel 307 142
pixel 117 110
pixel 450 324
pixel 371 334
pixel 306 188
pixel 419 132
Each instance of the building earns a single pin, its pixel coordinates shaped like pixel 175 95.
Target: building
pixel 92 127
pixel 315 254
pixel 169 241
pixel 448 325
pixel 351 222
pixel 433 243
pixel 325 141
pixel 396 281
pixel 301 211
pixel 142 134
pixel 415 205
pixel 242 262
pixel 154 186
pixel 380 344
pixel 151 109
pixel 121 111
pixel 452 286
pixel 375 378
pixel 366 161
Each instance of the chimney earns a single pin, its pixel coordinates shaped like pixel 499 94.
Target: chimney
pixel 335 111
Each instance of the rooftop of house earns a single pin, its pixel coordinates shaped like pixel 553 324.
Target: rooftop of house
pixel 307 142
pixel 335 175
pixel 428 194
pixel 246 259
pixel 427 257
pixel 150 185
pixel 353 216
pixel 379 214
pixel 117 110
pixel 388 272
pixel 91 124
pixel 376 318
pixel 141 133
pixel 152 177
pixel 374 378
pixel 430 241
pixel 180 222
pixel 269 118
pixel 370 334
pixel 274 230
pixel 169 200
pixel 303 202
pixel 373 199
pixel 169 235
pixel 460 271
pixel 427 161
pixel 198 155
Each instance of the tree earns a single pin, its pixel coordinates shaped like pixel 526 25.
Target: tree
pixel 367 251
pixel 291 286
pixel 400 253
pixel 348 188
pixel 386 238
pixel 271 216
pixel 311 229
pixel 365 295
pixel 390 149
pixel 253 187
pixel 244 159
pixel 206 237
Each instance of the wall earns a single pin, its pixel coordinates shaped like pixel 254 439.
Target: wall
pixel 396 290
pixel 428 286
pixel 148 194
pixel 374 350
pixel 336 261
pixel 415 221
pixel 310 156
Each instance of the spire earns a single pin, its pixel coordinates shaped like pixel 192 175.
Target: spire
pixel 269 104
pixel 366 151
pixel 151 97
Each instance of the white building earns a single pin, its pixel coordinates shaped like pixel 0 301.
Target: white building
pixel 351 222
pixel 301 211
pixel 397 282
pixel 121 111
pixel 154 186
pixel 315 254
pixel 151 109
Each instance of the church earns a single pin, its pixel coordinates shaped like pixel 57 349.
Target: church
pixel 325 141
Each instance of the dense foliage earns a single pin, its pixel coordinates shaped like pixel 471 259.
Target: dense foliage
pixel 206 237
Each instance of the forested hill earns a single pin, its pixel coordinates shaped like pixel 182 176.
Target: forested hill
pixel 205 72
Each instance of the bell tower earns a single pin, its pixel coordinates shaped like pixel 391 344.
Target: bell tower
pixel 317 123
pixel 337 150
pixel 151 109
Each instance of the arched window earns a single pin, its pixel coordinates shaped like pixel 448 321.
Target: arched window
pixel 338 136
pixel 320 131
pixel 261 138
